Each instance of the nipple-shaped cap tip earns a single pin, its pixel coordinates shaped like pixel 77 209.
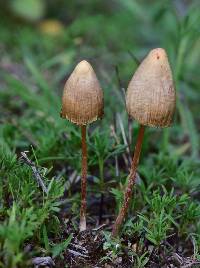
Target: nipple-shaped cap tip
pixel 83 67
pixel 151 95
pixel 82 100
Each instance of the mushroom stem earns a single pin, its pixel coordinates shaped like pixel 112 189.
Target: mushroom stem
pixel 82 225
pixel 131 182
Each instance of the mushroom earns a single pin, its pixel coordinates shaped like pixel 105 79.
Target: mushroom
pixel 82 103
pixel 151 101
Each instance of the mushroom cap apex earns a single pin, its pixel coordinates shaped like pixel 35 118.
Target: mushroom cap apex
pixel 83 67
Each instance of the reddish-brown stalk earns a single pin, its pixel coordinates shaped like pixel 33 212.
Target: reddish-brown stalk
pixel 82 225
pixel 131 182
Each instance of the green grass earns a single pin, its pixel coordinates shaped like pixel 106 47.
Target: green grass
pixel 166 197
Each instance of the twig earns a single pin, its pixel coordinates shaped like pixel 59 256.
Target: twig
pixel 116 156
pixel 79 247
pixel 185 262
pixel 124 137
pixel 124 95
pixel 36 173
pixel 116 166
pixel 99 227
pixel 76 253
pixel 113 133
pixel 43 261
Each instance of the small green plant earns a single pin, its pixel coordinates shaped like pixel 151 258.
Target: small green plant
pixel 157 227
pixel 141 261
pixel 20 226
pixel 59 248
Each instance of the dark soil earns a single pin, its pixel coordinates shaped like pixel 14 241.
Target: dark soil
pixel 86 251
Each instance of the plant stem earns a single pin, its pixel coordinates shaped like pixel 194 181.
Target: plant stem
pixel 101 208
pixel 82 225
pixel 131 182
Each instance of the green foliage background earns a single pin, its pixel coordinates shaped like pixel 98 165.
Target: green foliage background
pixel 111 35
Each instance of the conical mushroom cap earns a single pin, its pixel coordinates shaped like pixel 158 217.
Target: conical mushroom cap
pixel 82 100
pixel 151 96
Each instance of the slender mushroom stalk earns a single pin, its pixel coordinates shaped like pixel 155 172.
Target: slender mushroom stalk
pixel 82 224
pixel 150 100
pixel 131 182
pixel 82 103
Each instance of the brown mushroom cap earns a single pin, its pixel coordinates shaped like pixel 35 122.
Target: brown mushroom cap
pixel 82 100
pixel 151 96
